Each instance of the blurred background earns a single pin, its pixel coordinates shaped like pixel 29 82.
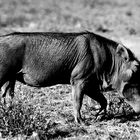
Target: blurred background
pixel 111 17
pixel 116 19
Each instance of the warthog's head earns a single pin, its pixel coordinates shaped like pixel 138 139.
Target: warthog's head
pixel 131 90
pixel 127 78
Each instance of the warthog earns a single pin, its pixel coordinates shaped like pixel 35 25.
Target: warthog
pixel 85 60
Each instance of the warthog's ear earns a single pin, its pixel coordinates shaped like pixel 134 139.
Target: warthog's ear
pixel 122 52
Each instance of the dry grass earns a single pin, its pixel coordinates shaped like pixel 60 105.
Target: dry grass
pixel 47 113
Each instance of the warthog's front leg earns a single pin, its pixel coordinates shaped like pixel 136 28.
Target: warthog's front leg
pixel 99 97
pixel 77 93
pixel 92 90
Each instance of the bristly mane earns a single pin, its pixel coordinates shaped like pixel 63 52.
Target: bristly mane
pixel 47 33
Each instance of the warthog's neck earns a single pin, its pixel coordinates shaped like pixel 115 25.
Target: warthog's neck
pixel 114 78
pixel 110 76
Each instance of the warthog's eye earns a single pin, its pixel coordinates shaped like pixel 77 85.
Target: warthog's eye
pixel 126 75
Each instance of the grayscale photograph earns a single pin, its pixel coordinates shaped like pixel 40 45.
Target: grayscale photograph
pixel 69 70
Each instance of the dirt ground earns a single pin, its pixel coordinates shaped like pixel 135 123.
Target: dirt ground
pixel 48 112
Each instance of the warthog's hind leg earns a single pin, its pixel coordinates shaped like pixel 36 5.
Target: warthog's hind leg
pixel 8 88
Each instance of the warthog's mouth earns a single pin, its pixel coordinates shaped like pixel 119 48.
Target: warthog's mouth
pixel 131 92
